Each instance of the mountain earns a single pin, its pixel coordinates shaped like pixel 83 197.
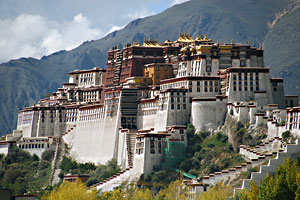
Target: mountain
pixel 282 51
pixel 272 23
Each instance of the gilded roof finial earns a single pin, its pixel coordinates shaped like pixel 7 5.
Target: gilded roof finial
pixel 217 42
pixel 149 38
pixel 232 41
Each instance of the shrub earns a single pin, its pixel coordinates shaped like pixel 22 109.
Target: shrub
pixel 286 135
pixel 43 164
pixel 101 172
pixel 213 168
pixel 48 154
pixel 249 171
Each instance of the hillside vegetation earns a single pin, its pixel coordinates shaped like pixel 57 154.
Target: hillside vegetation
pixel 23 173
pixel 24 81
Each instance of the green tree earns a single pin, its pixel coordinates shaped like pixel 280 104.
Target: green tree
pixel 71 191
pixel 173 192
pixel 284 185
pixel 217 192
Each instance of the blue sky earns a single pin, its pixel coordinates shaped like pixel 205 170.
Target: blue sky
pixel 33 28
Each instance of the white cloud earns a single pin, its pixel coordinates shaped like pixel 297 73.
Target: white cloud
pixel 178 2
pixel 115 28
pixel 33 36
pixel 139 14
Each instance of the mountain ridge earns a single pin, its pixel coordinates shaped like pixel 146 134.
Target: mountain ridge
pixel 24 81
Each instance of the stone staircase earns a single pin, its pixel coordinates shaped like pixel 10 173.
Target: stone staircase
pixel 58 156
pixel 130 142
pixel 255 156
pixel 69 130
pixel 264 149
pixel 113 181
pixel 290 151
pixel 129 175
pixel 68 135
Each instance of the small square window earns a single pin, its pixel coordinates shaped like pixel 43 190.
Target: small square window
pixel 208 69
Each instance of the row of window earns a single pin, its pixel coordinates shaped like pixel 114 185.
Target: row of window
pixel 245 88
pixel 206 89
pixel 33 146
pixel 178 99
pixel 148 112
pixel 245 76
pixel 178 106
pixel 92 117
pixel 245 82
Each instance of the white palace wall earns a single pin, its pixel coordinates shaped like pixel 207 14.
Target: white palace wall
pixel 208 113
pixel 96 140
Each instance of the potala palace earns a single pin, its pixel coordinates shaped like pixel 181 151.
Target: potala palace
pixel 136 110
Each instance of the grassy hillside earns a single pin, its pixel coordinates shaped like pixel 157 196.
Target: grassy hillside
pixel 25 81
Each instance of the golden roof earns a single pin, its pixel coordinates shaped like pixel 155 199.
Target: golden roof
pixel 185 38
pixel 137 44
pixel 205 39
pixel 167 42
pixel 198 38
pixel 150 43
